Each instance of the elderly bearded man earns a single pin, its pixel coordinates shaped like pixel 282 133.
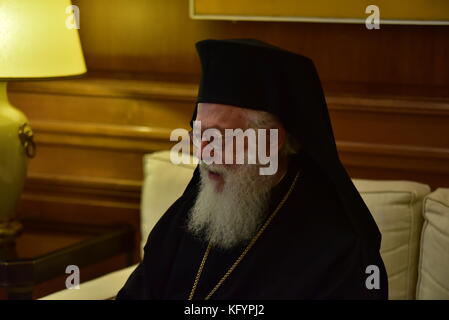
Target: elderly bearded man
pixel 301 233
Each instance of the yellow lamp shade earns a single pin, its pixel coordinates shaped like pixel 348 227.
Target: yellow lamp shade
pixel 37 40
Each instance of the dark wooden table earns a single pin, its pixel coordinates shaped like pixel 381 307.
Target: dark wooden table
pixel 43 251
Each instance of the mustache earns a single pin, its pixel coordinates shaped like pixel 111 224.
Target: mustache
pixel 215 168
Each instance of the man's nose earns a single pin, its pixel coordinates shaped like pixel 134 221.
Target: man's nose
pixel 199 151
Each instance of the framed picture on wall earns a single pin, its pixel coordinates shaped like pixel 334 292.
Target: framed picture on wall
pixel 421 12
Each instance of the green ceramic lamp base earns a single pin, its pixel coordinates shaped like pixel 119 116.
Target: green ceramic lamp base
pixel 9 229
pixel 13 163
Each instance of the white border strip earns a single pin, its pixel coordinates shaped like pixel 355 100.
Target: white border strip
pixel 195 16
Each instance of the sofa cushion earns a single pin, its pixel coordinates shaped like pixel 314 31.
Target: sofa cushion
pixel 396 207
pixel 163 183
pixel 433 267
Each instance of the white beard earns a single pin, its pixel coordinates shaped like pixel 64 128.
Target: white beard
pixel 233 215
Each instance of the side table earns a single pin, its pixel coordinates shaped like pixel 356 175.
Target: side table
pixel 43 251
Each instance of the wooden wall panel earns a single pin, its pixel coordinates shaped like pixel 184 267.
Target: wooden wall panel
pixel 397 127
pixel 158 36
pixel 101 143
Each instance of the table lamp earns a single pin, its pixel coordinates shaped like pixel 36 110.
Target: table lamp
pixel 38 40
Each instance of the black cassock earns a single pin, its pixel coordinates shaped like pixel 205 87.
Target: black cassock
pixel 322 244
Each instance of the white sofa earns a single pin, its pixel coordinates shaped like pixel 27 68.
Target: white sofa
pixel 414 223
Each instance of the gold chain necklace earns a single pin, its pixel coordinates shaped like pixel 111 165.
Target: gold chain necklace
pixel 243 254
